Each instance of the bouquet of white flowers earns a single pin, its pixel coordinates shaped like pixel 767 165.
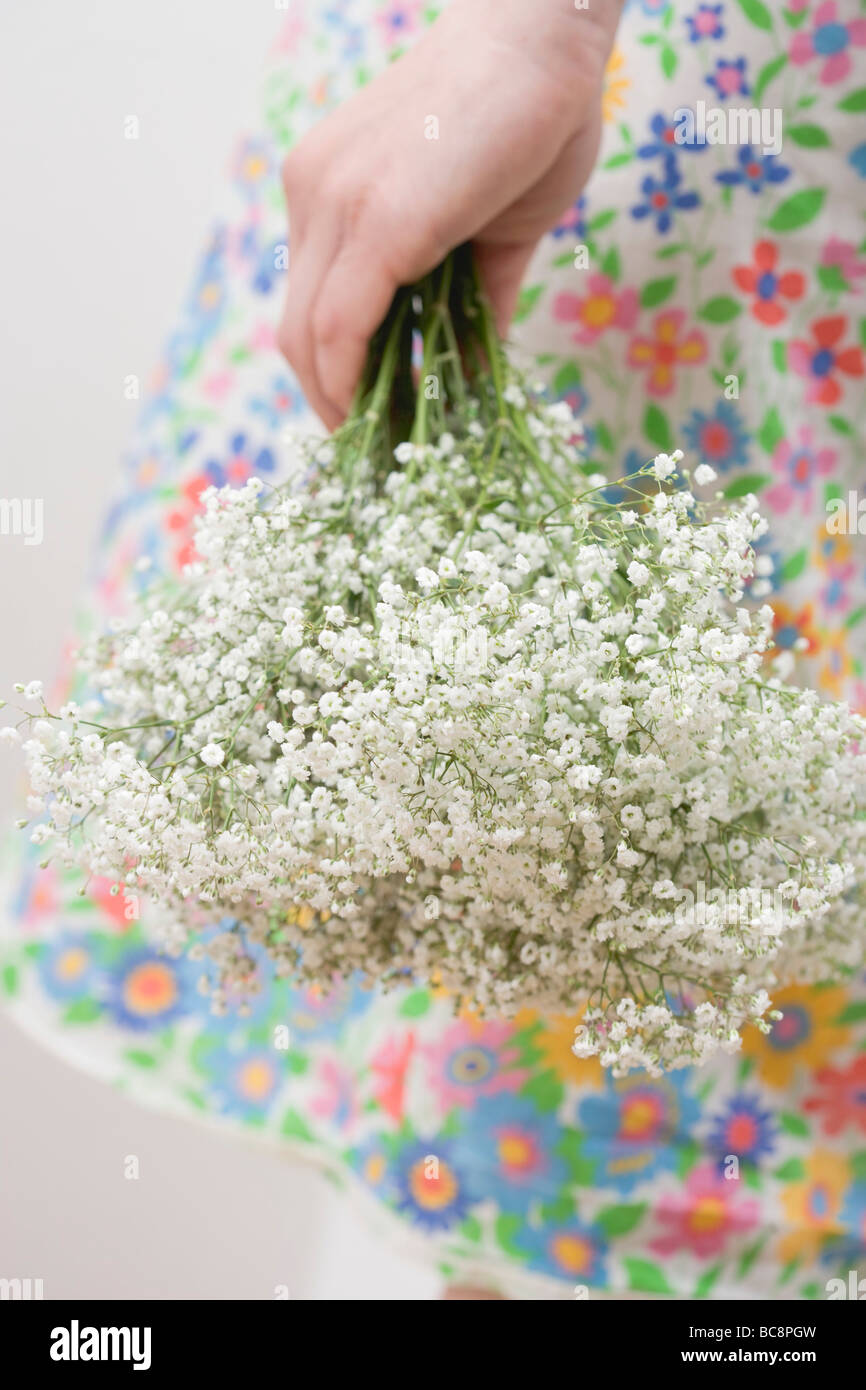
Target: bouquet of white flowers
pixel 442 706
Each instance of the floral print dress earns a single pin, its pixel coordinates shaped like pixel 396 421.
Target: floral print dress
pixel 720 305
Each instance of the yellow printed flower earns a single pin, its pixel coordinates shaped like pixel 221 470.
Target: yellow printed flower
pixel 555 1041
pixel 812 1206
pixel 837 666
pixel 615 86
pixel 806 1035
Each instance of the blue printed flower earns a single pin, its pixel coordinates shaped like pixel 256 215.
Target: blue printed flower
pixel 661 198
pixel 636 1127
pixel 653 9
pixel 281 400
pixel 718 438
pixel 857 160
pixel 431 1189
pixel 270 266
pixel 664 143
pixel 507 1146
pixel 247 1002
pixel 745 1129
pixel 315 1014
pixel 572 223
pixel 705 23
pixel 755 170
pixel 70 968
pixel 570 1250
pixel 243 1082
pixel 242 461
pixel 147 990
pixel 373 1164
pixel 729 78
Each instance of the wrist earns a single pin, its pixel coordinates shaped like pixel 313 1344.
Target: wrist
pixel 569 35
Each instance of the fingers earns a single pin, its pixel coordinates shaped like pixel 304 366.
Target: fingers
pixel 501 269
pixel 309 257
pixel 351 304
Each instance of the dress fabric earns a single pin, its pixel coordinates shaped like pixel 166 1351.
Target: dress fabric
pixel 721 308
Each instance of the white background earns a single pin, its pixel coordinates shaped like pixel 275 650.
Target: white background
pixel 99 237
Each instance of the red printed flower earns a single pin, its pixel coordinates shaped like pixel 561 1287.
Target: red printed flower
pixel 762 280
pixel 820 359
pixel 841 1098
pixel 703 1215
pixel 668 348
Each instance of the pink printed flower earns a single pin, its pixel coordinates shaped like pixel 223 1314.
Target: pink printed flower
pixel 799 464
pixel 337 1101
pixel 843 254
pixel 602 307
pixel 668 348
pixel 474 1058
pixel 702 1215
pixel 830 38
pixel 399 18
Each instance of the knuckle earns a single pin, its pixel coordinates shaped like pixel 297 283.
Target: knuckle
pixel 328 322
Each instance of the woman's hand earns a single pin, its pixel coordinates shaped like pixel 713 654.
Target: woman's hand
pixel 486 130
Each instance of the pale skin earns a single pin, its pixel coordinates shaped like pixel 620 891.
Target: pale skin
pixel 374 203
pixel 514 88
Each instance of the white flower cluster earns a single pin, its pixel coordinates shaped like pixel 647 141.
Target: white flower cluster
pixel 461 718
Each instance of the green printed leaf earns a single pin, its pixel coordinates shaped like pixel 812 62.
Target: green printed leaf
pixel 619 1220
pixel 415 1004
pixel 507 1226
pixel 669 60
pixel 657 291
pixel 567 379
pixel 610 265
pixel 295 1127
pixel 82 1011
pixel 839 424
pixel 544 1090
pixel 749 1256
pixel 771 431
pixel 674 250
pixel 793 567
pixel 10 979
pixel 856 617
pixel 794 1124
pixel 749 482
pixel 140 1059
pixel 810 137
pixel 719 310
pixel 790 1171
pixel 854 101
pixel 604 436
pixel 766 75
pixel 645 1277
pixel 854 1013
pixel 601 220
pixel 470 1229
pixel 780 355
pixel 617 160
pixel 529 297
pixel 757 13
pixel 657 429
pixel 797 211
pixel 794 18
pixel 830 278
pixel 706 1282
